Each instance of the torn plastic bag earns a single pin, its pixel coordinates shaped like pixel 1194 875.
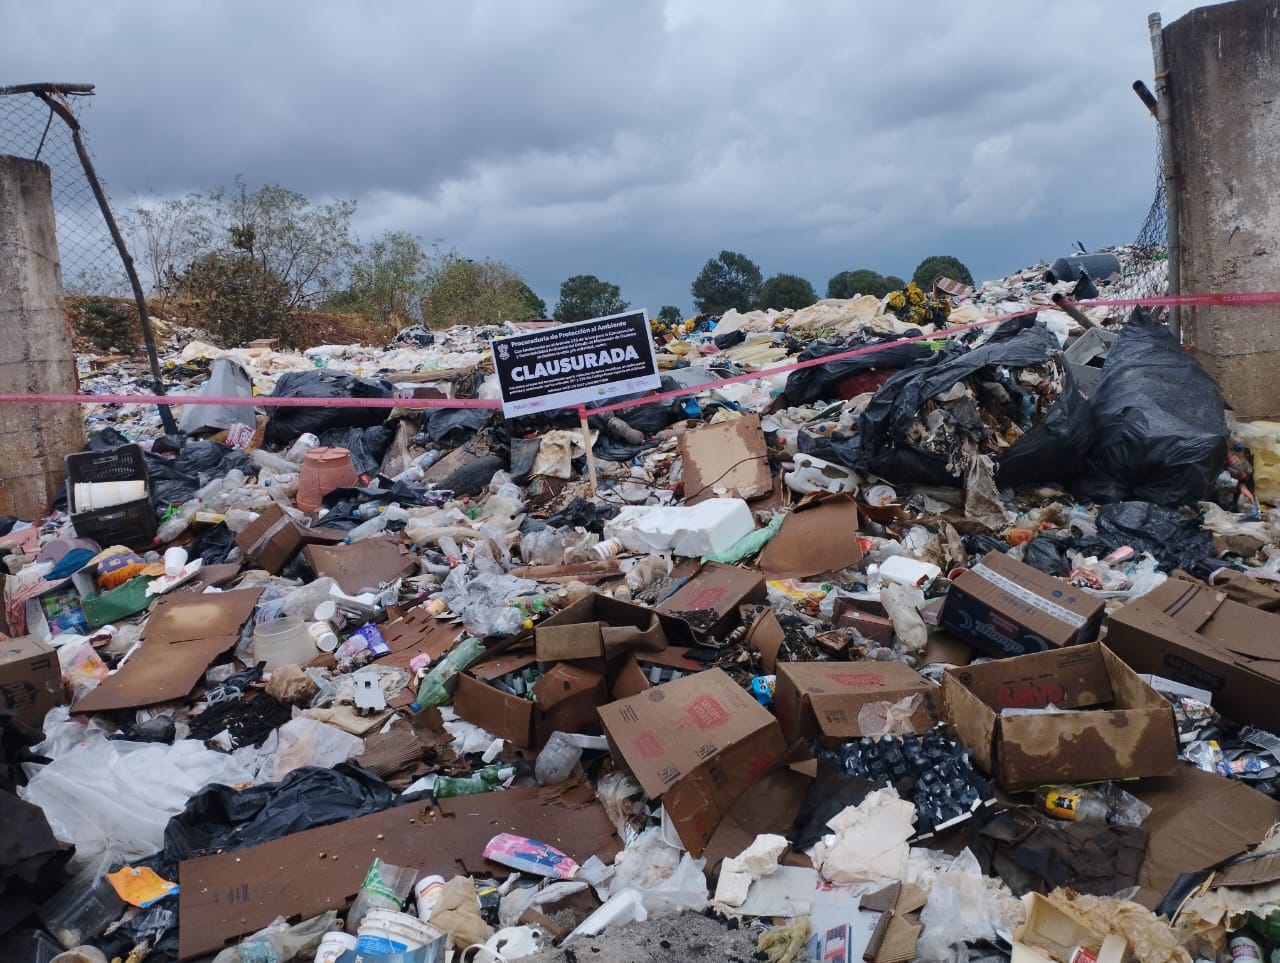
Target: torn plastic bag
pixel 474 478
pixel 286 424
pixel 582 512
pixel 524 453
pixel 1053 450
pixel 1049 555
pixel 106 439
pixel 222 818
pixel 1172 539
pixel 227 379
pixel 1159 419
pixel 819 382
pixel 368 446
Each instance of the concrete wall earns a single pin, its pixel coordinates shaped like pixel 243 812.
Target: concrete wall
pixel 35 344
pixel 1224 76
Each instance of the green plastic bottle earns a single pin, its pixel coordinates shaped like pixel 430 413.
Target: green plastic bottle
pixel 482 780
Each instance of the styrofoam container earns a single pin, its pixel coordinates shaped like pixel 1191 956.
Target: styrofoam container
pixel 908 571
pixel 707 528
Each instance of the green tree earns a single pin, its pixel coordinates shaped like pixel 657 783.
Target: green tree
pixel 894 282
pixel 388 280
pixel 670 314
pixel 465 291
pixel 938 266
pixel 787 291
pixel 847 284
pixel 585 296
pixel 308 247
pixel 238 298
pixel 731 280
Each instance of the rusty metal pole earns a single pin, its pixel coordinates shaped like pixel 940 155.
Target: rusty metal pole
pixel 1164 119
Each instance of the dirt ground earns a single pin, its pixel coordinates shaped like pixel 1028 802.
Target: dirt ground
pixel 676 939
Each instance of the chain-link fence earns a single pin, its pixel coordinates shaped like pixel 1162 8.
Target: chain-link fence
pixel 30 128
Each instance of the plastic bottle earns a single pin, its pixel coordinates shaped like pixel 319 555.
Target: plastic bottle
pixel 178 523
pixel 272 462
pixel 238 519
pixel 298 451
pixel 432 691
pixel 429 459
pixel 482 780
pixel 1076 805
pixel 556 760
pixel 385 886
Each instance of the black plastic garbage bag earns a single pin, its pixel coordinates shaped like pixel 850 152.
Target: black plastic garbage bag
pixel 454 425
pixel 286 424
pixel 106 439
pixel 819 382
pixel 368 446
pixel 213 459
pixel 1053 450
pixel 1174 540
pixel 212 544
pixel 1159 421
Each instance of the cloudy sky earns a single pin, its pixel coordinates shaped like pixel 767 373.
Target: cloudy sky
pixel 634 141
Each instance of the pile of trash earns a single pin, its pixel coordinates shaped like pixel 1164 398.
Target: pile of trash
pixel 944 650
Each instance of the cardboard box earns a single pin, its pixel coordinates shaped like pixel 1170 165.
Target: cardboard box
pixel 30 679
pixel 1006 608
pixel 1051 933
pixel 598 628
pixel 823 699
pixel 274 538
pixel 640 672
pixel 875 628
pixel 564 698
pixel 1130 733
pixel 714 588
pixel 361 565
pixel 698 744
pixel 1190 633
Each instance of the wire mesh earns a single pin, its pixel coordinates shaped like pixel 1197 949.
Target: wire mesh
pixel 29 129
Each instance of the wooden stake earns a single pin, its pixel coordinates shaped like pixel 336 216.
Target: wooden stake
pixel 586 440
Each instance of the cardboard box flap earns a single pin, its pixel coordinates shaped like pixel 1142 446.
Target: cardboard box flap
pixel 620 639
pixel 1250 871
pixel 581 640
pixel 971 718
pixel 1189 604
pixel 185 616
pixel 670 730
pixel 563 682
pixel 500 665
pixel 616 627
pixel 1070 678
pixel 818 536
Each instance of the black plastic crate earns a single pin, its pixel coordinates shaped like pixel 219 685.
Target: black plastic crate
pixel 132 524
pixel 126 463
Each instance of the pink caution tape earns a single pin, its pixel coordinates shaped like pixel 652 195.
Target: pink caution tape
pixel 265 401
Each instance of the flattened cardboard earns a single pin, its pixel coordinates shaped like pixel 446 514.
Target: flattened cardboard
pixel 697 743
pixel 823 699
pixel 728 460
pixel 712 588
pixel 1130 731
pixel 1198 819
pixel 30 679
pixel 1189 633
pixel 819 536
pixel 272 540
pixel 1004 607
pixel 361 565
pixel 225 896
pixel 185 633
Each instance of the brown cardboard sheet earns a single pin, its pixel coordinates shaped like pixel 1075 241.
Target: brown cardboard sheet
pixel 1198 819
pixel 228 895
pixel 361 565
pixel 184 634
pixel 727 460
pixel 819 536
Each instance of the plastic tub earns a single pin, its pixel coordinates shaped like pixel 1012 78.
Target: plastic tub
pixel 323 470
pixel 283 641
pixel 382 928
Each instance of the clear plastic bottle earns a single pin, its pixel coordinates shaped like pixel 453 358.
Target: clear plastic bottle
pixel 238 519
pixel 298 450
pixel 556 760
pixel 365 529
pixel 272 462
pixel 178 523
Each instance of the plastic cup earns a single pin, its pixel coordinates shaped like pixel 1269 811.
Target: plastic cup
pixel 333 945
pixel 174 560
pixel 426 893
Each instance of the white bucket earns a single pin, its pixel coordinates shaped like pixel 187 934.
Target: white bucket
pixel 333 945
pixel 401 928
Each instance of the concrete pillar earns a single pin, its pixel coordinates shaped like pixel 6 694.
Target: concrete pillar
pixel 1224 76
pixel 36 356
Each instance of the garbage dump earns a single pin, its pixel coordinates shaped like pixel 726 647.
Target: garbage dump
pixel 919 650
